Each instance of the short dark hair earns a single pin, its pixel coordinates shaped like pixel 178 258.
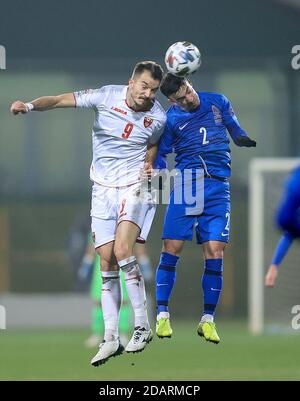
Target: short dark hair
pixel 155 69
pixel 171 83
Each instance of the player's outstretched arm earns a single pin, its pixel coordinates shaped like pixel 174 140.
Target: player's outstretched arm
pixel 238 135
pixel 44 103
pixel 281 250
pixel 245 141
pixel 271 276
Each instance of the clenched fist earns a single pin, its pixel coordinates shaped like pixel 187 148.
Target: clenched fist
pixel 18 107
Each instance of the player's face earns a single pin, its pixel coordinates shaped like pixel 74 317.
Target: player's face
pixel 141 91
pixel 186 97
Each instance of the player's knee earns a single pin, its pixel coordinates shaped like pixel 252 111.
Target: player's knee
pixel 122 251
pixel 214 252
pixel 106 265
pixel 171 247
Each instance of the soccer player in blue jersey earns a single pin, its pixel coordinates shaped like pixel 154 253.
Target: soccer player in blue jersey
pixel 288 220
pixel 196 131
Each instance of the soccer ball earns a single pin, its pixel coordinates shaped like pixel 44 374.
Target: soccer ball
pixel 182 59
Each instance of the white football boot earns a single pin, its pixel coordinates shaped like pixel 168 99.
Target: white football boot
pixel 107 349
pixel 140 338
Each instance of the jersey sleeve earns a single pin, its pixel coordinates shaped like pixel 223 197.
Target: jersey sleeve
pixel 230 120
pixel 166 141
pixel 89 98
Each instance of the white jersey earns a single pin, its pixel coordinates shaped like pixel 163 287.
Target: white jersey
pixel 120 134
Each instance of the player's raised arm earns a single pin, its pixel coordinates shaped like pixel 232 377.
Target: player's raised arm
pixel 238 135
pixel 281 250
pixel 44 103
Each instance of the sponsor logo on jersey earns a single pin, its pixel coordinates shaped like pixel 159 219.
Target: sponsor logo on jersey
pixel 147 122
pixel 119 110
pixel 217 114
pixel 184 125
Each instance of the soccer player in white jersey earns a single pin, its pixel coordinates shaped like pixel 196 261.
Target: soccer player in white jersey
pixel 127 127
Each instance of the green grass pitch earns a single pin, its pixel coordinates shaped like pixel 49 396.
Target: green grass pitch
pixel 59 354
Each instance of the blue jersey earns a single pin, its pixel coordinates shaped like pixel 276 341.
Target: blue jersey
pixel 288 214
pixel 199 137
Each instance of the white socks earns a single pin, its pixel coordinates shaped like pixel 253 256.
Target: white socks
pixel 207 318
pixel 163 315
pixel 136 290
pixel 111 300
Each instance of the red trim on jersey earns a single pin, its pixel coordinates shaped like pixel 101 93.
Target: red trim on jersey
pixel 75 99
pixel 140 241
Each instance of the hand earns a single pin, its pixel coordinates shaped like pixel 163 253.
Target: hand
pixel 147 171
pixel 271 276
pixel 18 107
pixel 245 141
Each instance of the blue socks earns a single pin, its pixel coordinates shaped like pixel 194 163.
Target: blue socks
pixel 212 281
pixel 165 280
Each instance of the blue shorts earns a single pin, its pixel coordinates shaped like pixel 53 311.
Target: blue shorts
pixel 212 224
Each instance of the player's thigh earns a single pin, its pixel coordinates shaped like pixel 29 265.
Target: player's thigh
pixel 214 222
pixel 126 236
pixel 137 207
pixel 103 230
pixel 104 202
pixel 178 224
pixel 104 236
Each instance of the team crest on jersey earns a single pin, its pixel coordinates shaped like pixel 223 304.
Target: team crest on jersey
pixel 217 114
pixel 147 122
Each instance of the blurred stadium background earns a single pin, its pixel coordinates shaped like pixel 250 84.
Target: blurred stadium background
pixel 64 46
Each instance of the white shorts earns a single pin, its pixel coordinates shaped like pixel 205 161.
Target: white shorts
pixel 110 206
